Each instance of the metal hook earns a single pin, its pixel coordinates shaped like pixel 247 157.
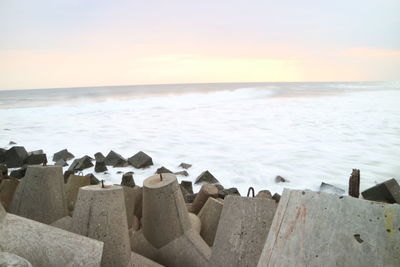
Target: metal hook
pixel 248 191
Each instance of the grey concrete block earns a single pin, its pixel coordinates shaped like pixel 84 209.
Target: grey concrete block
pixel 99 156
pixel 127 179
pixel 11 260
pixel 19 173
pixel 15 157
pixel 36 159
pixel 129 197
pixel 63 223
pixel 206 191
pixel 331 189
pixel 242 231
pixel 140 160
pixel 7 191
pixel 209 216
pixel 114 159
pixel 388 191
pixel 40 196
pixel 195 222
pixel 264 194
pixel 72 188
pixel 100 214
pixel 163 170
pixel 185 165
pixel 43 245
pixel 100 166
pixel 206 177
pixel 320 229
pixel 81 164
pixel 63 154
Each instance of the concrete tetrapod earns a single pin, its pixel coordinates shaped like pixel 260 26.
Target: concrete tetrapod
pixel 44 245
pixel 100 214
pixel 7 191
pixel 242 231
pixel 206 191
pixel 11 260
pixel 167 236
pixel 320 229
pixel 40 195
pixel 209 216
pixel 72 187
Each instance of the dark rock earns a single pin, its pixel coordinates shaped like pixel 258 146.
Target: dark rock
pixel 15 156
pixel 331 189
pixel 185 165
pixel 19 173
pixel 36 152
pixel 119 172
pixel 140 160
pixel 115 160
pixel 61 162
pixel 388 191
pixel 67 174
pixel 93 179
pixel 190 198
pixel 183 173
pixel 229 191
pixel 63 154
pixel 2 154
pixel 100 166
pixel 99 156
pixel 264 194
pixel 188 186
pixel 81 164
pixel 36 159
pixel 276 197
pixel 280 179
pixel 12 143
pixel 163 170
pixel 127 179
pixel 206 177
pixel 4 169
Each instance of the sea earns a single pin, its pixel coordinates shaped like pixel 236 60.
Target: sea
pixel 245 134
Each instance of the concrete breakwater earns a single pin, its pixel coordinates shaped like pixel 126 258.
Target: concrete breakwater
pixel 53 218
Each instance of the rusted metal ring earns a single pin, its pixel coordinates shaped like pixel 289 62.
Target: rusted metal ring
pixel 248 191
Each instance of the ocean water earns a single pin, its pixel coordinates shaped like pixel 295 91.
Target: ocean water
pixel 244 134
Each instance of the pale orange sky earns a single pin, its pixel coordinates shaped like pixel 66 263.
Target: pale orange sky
pixel 96 43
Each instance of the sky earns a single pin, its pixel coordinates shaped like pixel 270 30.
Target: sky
pixel 74 43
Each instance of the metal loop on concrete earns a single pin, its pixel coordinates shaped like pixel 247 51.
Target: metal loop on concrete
pixel 248 191
pixel 80 173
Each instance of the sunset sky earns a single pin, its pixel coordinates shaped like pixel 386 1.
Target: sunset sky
pixel 69 43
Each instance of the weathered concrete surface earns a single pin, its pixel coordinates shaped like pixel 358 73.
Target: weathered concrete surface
pixel 62 154
pixel 209 216
pixel 63 223
pixel 138 201
pixel 11 260
pixel 127 179
pixel 15 156
pixel 36 159
pixel 72 187
pixel 242 231
pixel 264 194
pixel 140 160
pixel 43 245
pixel 206 191
pixel 388 191
pixel 100 214
pixel 320 229
pixel 100 166
pixel 331 189
pixel 206 177
pixel 7 191
pixel 138 260
pixel 195 222
pixel 167 236
pixel 163 170
pixel 114 159
pixel 40 196
pixel 129 197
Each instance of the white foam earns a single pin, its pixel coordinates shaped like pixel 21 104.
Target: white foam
pixel 244 137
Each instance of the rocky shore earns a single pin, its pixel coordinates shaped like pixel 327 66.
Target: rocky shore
pixel 51 217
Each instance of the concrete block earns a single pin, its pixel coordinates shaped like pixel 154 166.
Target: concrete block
pixel 209 216
pixel 93 179
pixel 331 189
pixel 189 198
pixel 61 163
pixel 127 179
pixel 129 197
pixel 100 214
pixel 63 223
pixel 114 159
pixel 320 229
pixel 185 165
pixel 81 164
pixel 15 157
pixel 388 191
pixel 2 154
pixel 43 245
pixel 206 177
pixel 228 191
pixel 36 159
pixel 195 222
pixel 162 170
pixel 11 260
pixel 276 197
pixel 40 196
pixel 242 231
pixel 7 191
pixel 4 169
pixel 183 173
pixel 138 260
pixel 188 186
pixel 264 194
pixel 206 191
pixel 100 166
pixel 140 160
pixel 99 156
pixel 63 154
pixel 19 173
pixel 72 188
pixel 167 236
pixel 138 200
